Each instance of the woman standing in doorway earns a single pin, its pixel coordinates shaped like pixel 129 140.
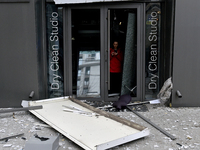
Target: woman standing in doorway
pixel 116 59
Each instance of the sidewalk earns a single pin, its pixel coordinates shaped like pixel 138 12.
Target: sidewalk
pixel 183 123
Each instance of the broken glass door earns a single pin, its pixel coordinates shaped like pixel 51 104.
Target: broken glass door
pixel 122 30
pixel 86 52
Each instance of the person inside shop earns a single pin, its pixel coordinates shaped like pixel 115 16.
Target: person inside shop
pixel 116 62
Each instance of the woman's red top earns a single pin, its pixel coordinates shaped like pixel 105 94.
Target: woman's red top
pixel 116 61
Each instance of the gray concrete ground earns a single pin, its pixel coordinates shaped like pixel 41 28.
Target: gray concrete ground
pixel 183 123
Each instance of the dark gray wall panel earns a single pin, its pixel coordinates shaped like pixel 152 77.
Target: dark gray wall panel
pixel 18 59
pixel 186 69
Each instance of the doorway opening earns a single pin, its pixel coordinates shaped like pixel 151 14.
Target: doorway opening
pixel 92 74
pixel 122 30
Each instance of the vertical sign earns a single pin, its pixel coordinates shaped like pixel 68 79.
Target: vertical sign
pixel 54 30
pixel 152 48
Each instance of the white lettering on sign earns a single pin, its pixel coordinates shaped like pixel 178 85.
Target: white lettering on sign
pixel 54 64
pixel 153 63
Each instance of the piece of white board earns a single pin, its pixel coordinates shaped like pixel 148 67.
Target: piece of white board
pixel 91 132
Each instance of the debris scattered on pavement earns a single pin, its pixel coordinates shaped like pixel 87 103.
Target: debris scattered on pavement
pixel 44 143
pixel 12 136
pixel 19 109
pixel 42 125
pixel 168 118
pixel 7 145
pixel 156 146
pixel 153 124
pixel 165 91
pixel 189 137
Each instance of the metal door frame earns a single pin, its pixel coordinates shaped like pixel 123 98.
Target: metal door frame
pixel 104 7
pixel 68 48
pixel 140 48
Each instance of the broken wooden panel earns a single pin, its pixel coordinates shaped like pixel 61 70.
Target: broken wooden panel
pixel 87 128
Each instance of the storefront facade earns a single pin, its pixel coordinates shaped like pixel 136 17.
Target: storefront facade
pixel 78 40
pixel 71 49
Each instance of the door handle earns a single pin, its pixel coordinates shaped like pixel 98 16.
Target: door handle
pixel 178 93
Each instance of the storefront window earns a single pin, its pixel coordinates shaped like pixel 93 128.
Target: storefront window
pixel 152 49
pixel 54 38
